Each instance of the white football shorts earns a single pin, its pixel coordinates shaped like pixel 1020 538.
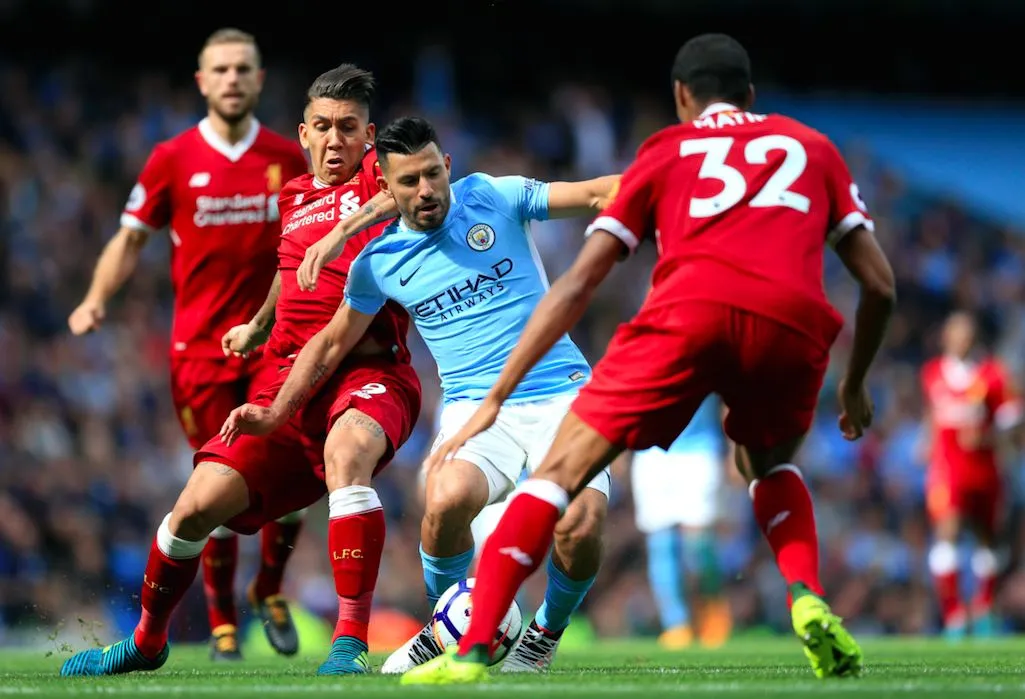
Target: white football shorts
pixel 520 438
pixel 674 489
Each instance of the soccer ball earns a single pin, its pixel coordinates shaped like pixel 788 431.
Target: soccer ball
pixel 452 618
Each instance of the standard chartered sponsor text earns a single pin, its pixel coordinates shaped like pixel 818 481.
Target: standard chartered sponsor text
pixel 236 209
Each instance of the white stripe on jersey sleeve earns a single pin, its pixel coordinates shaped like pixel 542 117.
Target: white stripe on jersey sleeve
pixel 848 224
pixel 613 226
pixel 129 221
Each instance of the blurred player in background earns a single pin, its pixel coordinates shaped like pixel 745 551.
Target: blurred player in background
pixel 969 404
pixel 363 414
pixel 216 186
pixel 676 505
pixel 741 207
pixel 462 262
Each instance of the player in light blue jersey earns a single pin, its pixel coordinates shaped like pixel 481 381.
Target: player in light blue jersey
pixel 461 261
pixel 676 498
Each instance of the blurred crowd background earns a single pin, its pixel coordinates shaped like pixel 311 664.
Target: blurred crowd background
pixel 91 456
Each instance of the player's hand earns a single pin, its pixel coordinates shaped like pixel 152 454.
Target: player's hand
pixel 242 339
pixel 317 256
pixel 481 420
pixel 856 410
pixel 87 317
pixel 249 419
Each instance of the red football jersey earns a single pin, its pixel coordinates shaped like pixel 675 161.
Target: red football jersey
pixel 309 210
pixel 741 207
pixel 221 203
pixel 968 402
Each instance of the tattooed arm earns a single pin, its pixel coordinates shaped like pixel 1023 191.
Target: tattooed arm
pixel 380 208
pixel 318 359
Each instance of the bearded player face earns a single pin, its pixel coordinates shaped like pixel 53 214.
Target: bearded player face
pixel 336 132
pixel 230 78
pixel 420 184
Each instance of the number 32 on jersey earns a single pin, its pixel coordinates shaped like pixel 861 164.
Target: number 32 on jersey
pixel 775 192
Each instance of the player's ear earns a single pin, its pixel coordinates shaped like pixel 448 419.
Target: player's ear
pixel 448 163
pixel 681 98
pixel 261 75
pixel 199 82
pixel 371 132
pixel 382 183
pixel 304 140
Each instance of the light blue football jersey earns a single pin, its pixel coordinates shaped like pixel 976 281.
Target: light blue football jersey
pixel 470 286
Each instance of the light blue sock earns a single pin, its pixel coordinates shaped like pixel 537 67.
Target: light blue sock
pixel 665 574
pixel 562 597
pixel 442 573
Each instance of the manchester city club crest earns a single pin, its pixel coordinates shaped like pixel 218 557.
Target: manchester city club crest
pixel 481 237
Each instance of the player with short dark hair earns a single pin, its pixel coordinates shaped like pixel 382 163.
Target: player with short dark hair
pixel 462 262
pixel 216 188
pixel 741 206
pixel 362 415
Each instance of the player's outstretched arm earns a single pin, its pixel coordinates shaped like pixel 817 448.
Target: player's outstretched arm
pixel 381 207
pixel 117 262
pixel 243 339
pixel 559 310
pixel 318 359
pixel 584 198
pixel 867 263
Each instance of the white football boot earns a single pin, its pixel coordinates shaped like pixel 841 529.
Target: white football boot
pixel 535 651
pixel 416 651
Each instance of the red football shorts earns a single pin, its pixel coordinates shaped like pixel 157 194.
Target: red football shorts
pixel 205 391
pixel 978 500
pixel 284 471
pixel 655 375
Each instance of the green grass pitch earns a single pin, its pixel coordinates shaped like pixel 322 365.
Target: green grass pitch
pixel 895 667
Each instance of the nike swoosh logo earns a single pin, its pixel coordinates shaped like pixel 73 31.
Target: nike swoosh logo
pixel 403 282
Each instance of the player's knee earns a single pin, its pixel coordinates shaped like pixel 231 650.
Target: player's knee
pixel 214 494
pixel 193 517
pixel 755 464
pixel 354 447
pixel 451 501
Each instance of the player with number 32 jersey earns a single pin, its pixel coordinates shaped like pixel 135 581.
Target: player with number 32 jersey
pixel 741 206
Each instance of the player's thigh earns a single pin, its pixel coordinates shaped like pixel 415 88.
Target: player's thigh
pixel 494 452
pixel 535 424
pixel 773 391
pixel 369 409
pixel 652 380
pixel 675 489
pixel 943 505
pixel 213 494
pixel 282 471
pixel 983 510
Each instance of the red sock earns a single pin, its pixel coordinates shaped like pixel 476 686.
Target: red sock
pixel 220 558
pixel 784 512
pixel 948 595
pixel 512 553
pixel 277 541
pixel 163 585
pixel 985 591
pixel 355 538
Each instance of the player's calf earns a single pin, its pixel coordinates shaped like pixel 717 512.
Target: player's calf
pixel 453 497
pixel 277 541
pixel 356 531
pixel 571 571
